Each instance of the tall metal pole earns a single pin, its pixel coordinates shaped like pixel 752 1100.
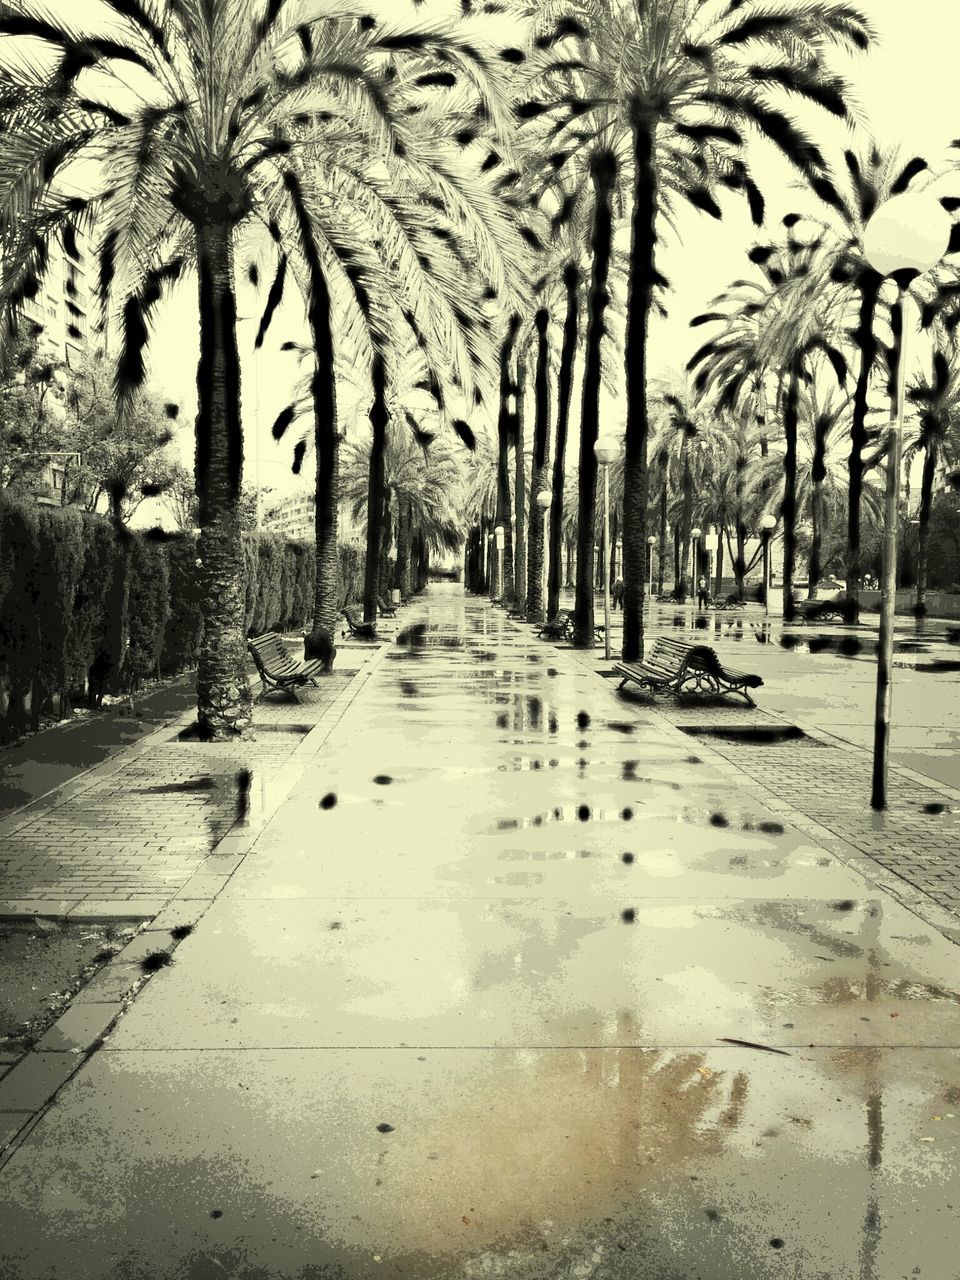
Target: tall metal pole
pixel 606 560
pixel 888 605
pixel 545 565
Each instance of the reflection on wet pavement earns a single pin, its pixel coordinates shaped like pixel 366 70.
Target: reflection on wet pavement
pixel 471 1008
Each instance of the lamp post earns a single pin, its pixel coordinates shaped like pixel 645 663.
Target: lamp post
pixel 607 450
pixel 498 535
pixel 694 548
pixel 544 500
pixel 767 525
pixel 905 237
pixel 651 543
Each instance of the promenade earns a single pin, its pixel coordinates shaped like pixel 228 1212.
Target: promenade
pixel 498 974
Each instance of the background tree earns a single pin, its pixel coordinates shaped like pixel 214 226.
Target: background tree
pixel 676 87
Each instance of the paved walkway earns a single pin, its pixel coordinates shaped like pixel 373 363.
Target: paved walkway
pixel 510 985
pixel 121 838
pixel 822 681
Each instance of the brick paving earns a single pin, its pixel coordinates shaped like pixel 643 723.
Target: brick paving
pixel 134 831
pixel 917 838
pixel 822 782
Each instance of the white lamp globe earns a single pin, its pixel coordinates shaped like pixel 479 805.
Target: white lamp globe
pixel 607 450
pixel 651 541
pixel 544 498
pixel 695 534
pixel 768 522
pixel 908 233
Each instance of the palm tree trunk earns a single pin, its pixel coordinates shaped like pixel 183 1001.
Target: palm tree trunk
pixel 375 495
pixel 677 583
pixel 224 706
pixel 538 470
pixel 740 563
pixel 663 529
pixel 643 241
pixel 718 588
pixel 569 580
pixel 568 353
pixel 519 489
pixel 867 345
pixel 818 473
pixel 326 600
pixel 926 506
pixel 504 588
pixel 686 522
pixel 604 175
pixel 791 422
pixel 403 577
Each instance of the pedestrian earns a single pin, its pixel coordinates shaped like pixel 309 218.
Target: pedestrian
pixel 703 595
pixel 617 594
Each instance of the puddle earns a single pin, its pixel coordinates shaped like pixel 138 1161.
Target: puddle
pixel 770 735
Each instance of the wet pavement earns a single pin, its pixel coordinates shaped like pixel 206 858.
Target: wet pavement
pixel 470 1007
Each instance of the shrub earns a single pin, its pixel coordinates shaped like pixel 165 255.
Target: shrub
pixel 148 608
pixel 181 637
pixel 19 553
pixel 60 564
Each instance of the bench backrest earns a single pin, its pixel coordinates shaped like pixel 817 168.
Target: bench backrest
pixel 672 656
pixel 270 654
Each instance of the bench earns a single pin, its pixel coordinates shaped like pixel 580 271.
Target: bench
pixel 562 627
pixel 822 610
pixel 278 671
pixel 676 667
pixel 386 608
pixel 363 630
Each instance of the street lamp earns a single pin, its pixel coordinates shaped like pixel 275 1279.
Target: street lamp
pixel 651 543
pixel 694 548
pixel 544 499
pixel 498 535
pixel 905 237
pixel 767 525
pixel 607 450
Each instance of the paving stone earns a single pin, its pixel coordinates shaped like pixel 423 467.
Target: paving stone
pixel 34 1079
pixel 11 1122
pixel 79 1027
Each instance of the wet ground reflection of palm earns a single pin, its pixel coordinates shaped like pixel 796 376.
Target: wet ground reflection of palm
pixel 566 1137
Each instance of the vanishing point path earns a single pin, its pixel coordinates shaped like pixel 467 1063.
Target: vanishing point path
pixel 467 1008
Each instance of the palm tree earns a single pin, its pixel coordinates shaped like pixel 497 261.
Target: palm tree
pixel 506 433
pixel 232 91
pixel 538 470
pixel 676 85
pixel 603 174
pixel 870 177
pixel 938 439
pixel 690 439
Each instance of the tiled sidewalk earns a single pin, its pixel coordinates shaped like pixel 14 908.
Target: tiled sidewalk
pixel 124 838
pixel 821 784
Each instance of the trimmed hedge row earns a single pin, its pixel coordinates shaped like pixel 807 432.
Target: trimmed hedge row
pixel 76 594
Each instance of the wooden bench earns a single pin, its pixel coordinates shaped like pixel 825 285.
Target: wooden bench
pixel 562 627
pixel 674 666
pixel 278 671
pixel 362 630
pixel 822 610
pixel 386 608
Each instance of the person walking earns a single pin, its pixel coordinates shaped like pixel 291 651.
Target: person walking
pixel 703 595
pixel 616 596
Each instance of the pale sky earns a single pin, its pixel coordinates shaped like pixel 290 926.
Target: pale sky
pixel 906 89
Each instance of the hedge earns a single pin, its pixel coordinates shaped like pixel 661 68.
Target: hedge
pixel 76 592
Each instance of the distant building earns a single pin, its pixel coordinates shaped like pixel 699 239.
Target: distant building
pixel 294 516
pixel 63 305
pixel 62 309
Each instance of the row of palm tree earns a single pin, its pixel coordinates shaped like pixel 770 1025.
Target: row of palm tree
pixel 448 209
